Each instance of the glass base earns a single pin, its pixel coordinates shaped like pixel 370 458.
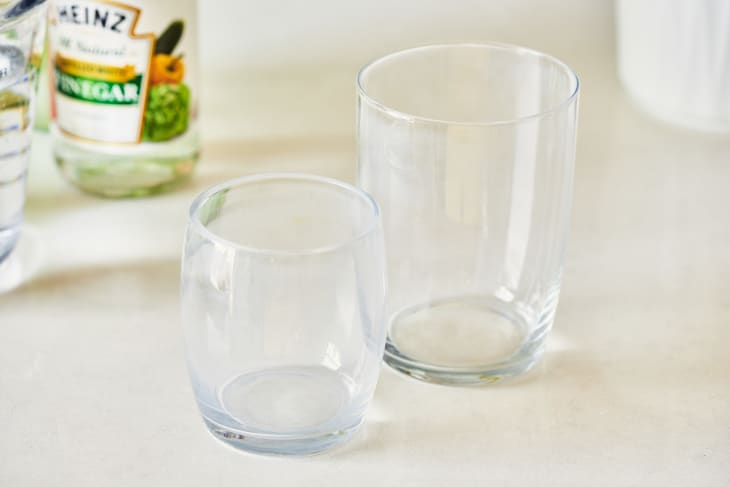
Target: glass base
pixel 285 411
pixel 23 261
pixel 128 177
pixel 126 171
pixel 280 446
pixel 465 341
pixel 8 240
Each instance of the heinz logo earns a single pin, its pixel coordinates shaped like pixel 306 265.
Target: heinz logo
pixel 103 18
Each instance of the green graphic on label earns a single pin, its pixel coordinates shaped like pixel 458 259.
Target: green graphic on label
pixel 168 101
pixel 167 112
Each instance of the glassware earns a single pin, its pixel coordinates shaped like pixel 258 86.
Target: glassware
pixel 283 302
pixel 22 27
pixel 674 59
pixel 469 150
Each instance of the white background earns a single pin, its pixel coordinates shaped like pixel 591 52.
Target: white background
pixel 310 34
pixel 289 66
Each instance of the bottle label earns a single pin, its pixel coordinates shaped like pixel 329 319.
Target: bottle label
pixel 122 73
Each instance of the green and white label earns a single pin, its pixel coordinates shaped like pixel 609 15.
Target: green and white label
pixel 97 91
pixel 119 71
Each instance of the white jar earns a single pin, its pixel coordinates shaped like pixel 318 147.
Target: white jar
pixel 674 59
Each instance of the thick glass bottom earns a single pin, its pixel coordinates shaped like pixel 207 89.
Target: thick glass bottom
pixel 117 171
pixel 127 177
pixel 470 340
pixel 280 446
pixel 8 240
pixel 285 411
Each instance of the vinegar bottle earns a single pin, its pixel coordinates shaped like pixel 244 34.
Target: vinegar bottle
pixel 124 93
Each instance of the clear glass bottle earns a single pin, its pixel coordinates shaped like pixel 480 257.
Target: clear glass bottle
pixel 124 97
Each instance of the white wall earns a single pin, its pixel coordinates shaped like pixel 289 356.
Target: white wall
pixel 288 66
pixel 273 33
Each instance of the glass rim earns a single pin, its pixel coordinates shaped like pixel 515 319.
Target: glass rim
pixel 194 212
pixel 515 49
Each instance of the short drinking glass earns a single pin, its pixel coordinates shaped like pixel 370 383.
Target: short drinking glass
pixel 469 151
pixel 283 302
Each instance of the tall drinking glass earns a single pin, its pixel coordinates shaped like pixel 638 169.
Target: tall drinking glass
pixel 283 303
pixel 22 30
pixel 469 151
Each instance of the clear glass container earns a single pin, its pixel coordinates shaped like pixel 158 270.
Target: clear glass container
pixel 283 303
pixel 469 150
pixel 22 27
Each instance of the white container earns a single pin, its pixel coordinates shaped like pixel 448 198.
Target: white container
pixel 674 59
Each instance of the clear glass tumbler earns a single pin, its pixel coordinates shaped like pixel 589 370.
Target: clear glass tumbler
pixel 469 151
pixel 283 306
pixel 22 31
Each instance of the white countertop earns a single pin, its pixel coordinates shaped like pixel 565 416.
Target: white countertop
pixel 634 390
